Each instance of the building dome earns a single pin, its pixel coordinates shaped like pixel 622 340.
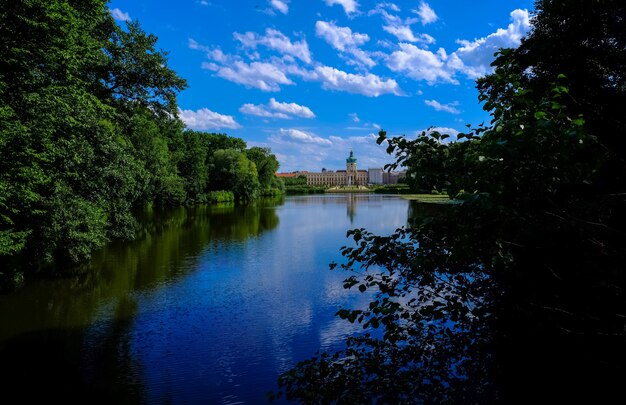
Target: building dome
pixel 351 158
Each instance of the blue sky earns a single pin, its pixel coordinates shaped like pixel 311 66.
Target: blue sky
pixel 313 79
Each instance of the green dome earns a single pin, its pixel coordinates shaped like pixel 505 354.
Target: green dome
pixel 351 159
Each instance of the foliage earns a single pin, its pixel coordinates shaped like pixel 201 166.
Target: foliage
pixel 295 181
pixel 392 189
pixel 266 164
pixel 292 190
pixel 220 197
pixel 89 134
pixel 519 290
pixel 232 170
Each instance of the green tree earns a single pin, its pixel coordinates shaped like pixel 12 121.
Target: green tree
pixel 266 164
pixel 231 170
pixel 135 73
pixel 519 289
pixel 193 166
pixel 88 130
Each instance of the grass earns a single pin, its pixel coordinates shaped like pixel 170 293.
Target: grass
pixel 429 198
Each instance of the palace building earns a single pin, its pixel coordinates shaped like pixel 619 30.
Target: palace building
pixel 349 177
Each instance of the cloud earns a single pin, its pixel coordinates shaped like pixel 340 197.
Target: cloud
pixel 280 5
pixel 119 15
pixel 261 75
pixel 427 15
pixel 340 38
pixel 344 40
pixel 474 58
pixel 349 6
pixel 421 64
pixel 405 33
pixel 297 135
pixel 398 27
pixel 443 130
pixel 450 108
pixel 277 41
pixel 204 118
pixel 354 117
pixel 276 109
pixel 368 85
pixel 298 149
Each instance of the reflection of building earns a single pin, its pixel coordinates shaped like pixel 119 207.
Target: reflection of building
pixel 349 177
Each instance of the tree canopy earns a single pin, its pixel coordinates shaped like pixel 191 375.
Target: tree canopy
pixel 517 291
pixel 89 134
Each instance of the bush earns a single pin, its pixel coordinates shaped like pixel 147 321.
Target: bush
pixel 221 196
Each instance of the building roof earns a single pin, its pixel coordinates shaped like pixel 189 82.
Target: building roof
pixel 351 158
pixel 286 175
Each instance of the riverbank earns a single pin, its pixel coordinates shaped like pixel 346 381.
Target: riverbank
pixel 429 198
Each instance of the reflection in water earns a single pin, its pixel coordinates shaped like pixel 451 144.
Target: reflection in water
pixel 208 306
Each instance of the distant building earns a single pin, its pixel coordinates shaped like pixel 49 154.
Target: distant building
pixel 349 177
pixel 286 175
pixel 393 177
pixel 375 175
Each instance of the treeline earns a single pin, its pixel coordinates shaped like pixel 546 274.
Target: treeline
pixel 89 134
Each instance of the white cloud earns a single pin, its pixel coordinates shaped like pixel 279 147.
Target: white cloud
pixel 474 58
pixel 405 33
pixel 280 5
pixel 298 149
pixel 450 108
pixel 344 40
pixel 354 117
pixel 421 64
pixel 277 41
pixel 368 84
pixel 301 136
pixel 261 75
pixel 291 109
pixel 276 109
pixel 398 27
pixel 349 6
pixel 204 118
pixel 426 13
pixel 340 38
pixel 261 110
pixel 119 15
pixel 443 130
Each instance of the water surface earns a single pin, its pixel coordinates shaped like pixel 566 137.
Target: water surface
pixel 208 306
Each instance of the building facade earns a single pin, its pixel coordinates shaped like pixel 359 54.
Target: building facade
pixel 349 177
pixel 375 175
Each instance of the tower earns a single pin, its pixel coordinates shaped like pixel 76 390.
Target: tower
pixel 351 170
pixel 351 163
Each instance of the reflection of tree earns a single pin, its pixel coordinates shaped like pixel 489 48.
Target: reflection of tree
pixel 47 333
pixel 49 366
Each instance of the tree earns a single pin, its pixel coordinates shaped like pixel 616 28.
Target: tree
pixel 231 170
pixel 135 73
pixel 87 131
pixel 517 290
pixel 266 164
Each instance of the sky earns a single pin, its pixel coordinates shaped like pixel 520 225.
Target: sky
pixel 314 79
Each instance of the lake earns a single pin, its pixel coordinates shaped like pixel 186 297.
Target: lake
pixel 208 306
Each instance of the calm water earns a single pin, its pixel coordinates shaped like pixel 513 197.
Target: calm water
pixel 208 307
